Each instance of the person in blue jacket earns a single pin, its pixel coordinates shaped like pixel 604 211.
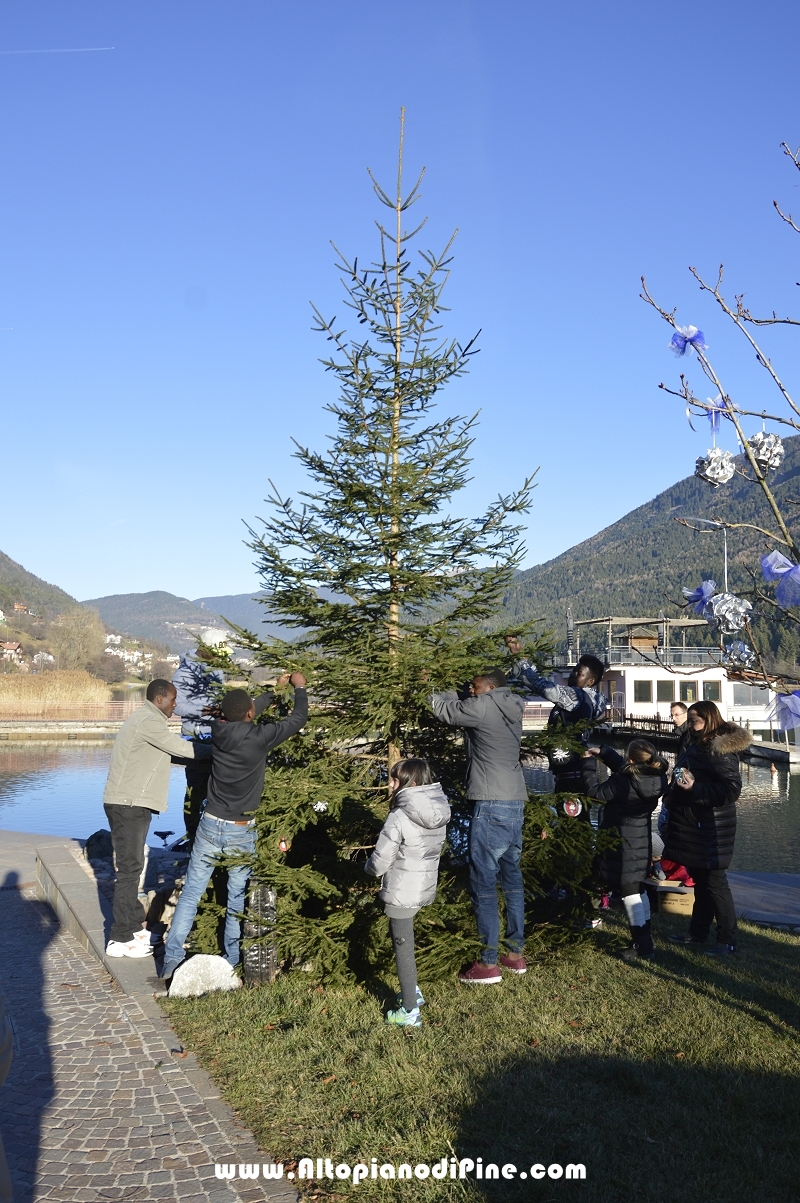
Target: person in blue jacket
pixel 195 684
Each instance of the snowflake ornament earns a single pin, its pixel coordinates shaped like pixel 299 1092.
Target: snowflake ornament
pixel 716 466
pixel 768 450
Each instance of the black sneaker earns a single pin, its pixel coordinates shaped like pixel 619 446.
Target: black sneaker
pixel 686 938
pixel 721 950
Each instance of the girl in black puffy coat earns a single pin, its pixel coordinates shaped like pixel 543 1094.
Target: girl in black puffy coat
pixel 629 797
pixel 702 821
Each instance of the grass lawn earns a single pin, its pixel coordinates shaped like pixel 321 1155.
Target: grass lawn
pixel 672 1080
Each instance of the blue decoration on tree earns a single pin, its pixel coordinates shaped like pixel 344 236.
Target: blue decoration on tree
pixel 777 567
pixel 685 339
pixel 698 599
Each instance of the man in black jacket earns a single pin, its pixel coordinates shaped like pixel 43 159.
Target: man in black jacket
pixel 239 760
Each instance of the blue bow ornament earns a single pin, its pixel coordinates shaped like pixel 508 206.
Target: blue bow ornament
pixel 699 598
pixel 776 567
pixel 685 338
pixel 786 711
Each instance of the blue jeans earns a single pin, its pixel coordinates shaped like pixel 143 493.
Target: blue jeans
pixel 495 846
pixel 214 837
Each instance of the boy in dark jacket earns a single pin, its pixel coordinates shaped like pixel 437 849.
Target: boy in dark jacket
pixel 240 750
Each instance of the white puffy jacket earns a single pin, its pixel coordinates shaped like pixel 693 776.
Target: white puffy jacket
pixel 407 853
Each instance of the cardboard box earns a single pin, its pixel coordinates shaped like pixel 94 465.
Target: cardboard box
pixel 670 902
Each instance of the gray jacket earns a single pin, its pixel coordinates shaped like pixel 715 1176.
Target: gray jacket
pixel 407 853
pixel 492 726
pixel 141 760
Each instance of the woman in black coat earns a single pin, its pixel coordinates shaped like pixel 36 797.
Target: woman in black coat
pixel 629 797
pixel 701 828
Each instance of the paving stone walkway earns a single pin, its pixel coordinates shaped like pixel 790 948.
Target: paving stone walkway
pixel 97 1106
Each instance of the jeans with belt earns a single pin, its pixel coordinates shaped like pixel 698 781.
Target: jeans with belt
pixel 495 847
pixel 214 838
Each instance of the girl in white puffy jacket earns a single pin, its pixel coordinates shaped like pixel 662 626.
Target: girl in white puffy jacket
pixel 407 856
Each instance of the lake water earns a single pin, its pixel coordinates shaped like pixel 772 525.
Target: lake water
pixel 59 791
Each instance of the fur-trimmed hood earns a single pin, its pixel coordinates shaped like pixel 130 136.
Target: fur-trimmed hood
pixel 730 738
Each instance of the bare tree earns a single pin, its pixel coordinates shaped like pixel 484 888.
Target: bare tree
pixel 761 456
pixel 76 638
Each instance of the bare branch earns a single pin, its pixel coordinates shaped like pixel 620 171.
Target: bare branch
pixel 735 526
pixel 739 322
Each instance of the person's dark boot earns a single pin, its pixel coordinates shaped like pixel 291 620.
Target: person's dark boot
pixel 646 945
pixel 643 948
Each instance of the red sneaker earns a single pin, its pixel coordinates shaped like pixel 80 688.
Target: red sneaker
pixel 481 975
pixel 514 962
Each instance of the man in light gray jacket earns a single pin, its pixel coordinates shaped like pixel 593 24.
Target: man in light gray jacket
pixel 137 785
pixel 492 722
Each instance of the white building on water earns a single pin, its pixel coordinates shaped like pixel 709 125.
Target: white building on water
pixel 650 667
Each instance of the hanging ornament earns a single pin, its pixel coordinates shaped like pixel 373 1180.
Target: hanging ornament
pixel 685 338
pixel 716 466
pixel 786 711
pixel 572 807
pixel 283 845
pixel 776 567
pixel 768 450
pixel 698 599
pixel 727 613
pixel 320 807
pixel 739 655
pixel 718 411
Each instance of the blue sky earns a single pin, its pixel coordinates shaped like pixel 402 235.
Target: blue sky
pixel 165 215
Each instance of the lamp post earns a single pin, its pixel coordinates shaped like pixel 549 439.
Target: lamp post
pixel 716 526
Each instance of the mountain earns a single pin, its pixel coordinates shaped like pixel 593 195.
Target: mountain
pixel 243 609
pixel 19 585
pixel 163 618
pixel 158 616
pixel 635 566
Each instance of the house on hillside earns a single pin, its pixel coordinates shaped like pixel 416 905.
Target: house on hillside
pixel 2 617
pixel 11 653
pixel 20 608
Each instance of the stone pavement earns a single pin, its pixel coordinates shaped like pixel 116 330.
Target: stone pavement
pixel 98 1106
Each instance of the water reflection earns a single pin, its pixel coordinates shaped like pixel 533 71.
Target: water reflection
pixel 59 791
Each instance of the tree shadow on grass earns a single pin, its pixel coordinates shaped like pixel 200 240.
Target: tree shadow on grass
pixel 722 1127
pixel 645 1131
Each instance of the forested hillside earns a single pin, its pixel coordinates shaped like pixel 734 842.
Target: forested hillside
pixel 19 585
pixel 633 567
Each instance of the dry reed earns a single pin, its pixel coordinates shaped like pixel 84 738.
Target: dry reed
pixel 24 696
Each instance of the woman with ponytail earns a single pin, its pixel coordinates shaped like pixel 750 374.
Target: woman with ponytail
pixel 628 797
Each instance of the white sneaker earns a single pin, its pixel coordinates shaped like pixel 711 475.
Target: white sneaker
pixel 147 937
pixel 133 948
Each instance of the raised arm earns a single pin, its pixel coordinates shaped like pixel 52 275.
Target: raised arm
pixel 277 733
pixel 563 696
pixel 449 708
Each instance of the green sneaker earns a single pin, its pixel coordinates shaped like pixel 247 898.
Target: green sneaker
pixel 405 1019
pixel 420 999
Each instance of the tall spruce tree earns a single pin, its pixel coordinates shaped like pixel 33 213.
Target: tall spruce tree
pixel 391 596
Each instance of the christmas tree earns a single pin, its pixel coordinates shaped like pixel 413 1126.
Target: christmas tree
pixel 390 597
